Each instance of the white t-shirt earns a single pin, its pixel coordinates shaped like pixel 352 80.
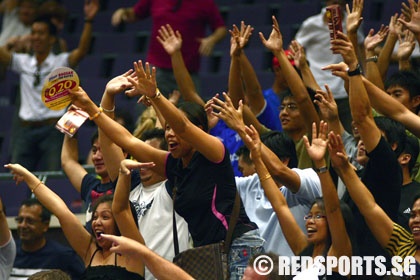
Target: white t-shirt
pixel 32 108
pixel 154 208
pixel 260 211
pixel 7 257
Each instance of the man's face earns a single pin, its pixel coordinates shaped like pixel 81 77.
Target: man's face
pixel 290 117
pixel 245 168
pixel 147 174
pixel 402 95
pixel 30 227
pixel 40 38
pixel 98 160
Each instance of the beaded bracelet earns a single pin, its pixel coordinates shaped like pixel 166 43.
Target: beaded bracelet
pixel 97 114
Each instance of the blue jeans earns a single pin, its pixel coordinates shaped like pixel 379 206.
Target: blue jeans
pixel 241 250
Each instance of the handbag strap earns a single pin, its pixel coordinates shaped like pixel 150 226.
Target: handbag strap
pixel 174 227
pixel 232 222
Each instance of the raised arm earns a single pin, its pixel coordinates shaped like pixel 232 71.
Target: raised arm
pixel 414 24
pixel 372 212
pixel 172 42
pixel 328 109
pixel 233 118
pixel 395 29
pixel 118 134
pixel 340 241
pixel 361 110
pixel 70 162
pixel 78 237
pixel 295 237
pixel 5 233
pixel 121 204
pixel 211 147
pixel 371 42
pixel 391 108
pixel 300 93
pixel 301 63
pixel 158 266
pixel 91 7
pixel 112 154
pixel 405 49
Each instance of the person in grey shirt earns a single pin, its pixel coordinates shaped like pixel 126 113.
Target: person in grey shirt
pixel 7 245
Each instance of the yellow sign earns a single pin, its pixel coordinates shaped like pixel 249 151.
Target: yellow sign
pixel 55 93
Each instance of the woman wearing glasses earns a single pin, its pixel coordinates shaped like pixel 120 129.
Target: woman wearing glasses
pixel 328 222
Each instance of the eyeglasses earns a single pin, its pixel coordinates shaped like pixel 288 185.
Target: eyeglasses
pixel 37 76
pixel 29 221
pixel 289 107
pixel 314 217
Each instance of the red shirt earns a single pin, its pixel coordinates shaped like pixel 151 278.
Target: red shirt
pixel 190 19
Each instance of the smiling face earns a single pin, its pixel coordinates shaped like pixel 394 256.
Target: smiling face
pixel 317 225
pixel 98 160
pixel 290 117
pixel 103 222
pixel 41 38
pixel 30 227
pixel 414 221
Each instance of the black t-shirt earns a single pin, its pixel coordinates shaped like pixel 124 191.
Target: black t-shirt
pixel 408 192
pixel 205 194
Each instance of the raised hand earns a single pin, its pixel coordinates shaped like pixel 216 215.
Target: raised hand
pixel 373 40
pixel 146 79
pixel 120 83
pixel 406 45
pixel 339 70
pixel 275 41
pixel 316 150
pixel 414 23
pixel 19 172
pixel 80 98
pixel 298 53
pixel 337 153
pixel 253 142
pixel 343 46
pixel 326 104
pixel 227 112
pixel 395 27
pixel 354 18
pixel 127 165
pixel 239 38
pixel 91 8
pixel 171 41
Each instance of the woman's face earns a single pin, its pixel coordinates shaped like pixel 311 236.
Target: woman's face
pixel 316 225
pixel 414 221
pixel 103 222
pixel 177 146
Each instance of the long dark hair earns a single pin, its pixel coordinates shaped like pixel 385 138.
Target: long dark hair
pixel 348 222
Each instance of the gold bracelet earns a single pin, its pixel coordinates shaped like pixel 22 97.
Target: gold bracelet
pixel 106 110
pixel 33 190
pixel 266 177
pixel 97 114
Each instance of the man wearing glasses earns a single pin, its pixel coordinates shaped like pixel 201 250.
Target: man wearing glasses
pixel 36 143
pixel 34 251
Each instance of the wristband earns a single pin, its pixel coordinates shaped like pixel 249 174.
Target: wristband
pixel 97 114
pixel 357 71
pixel 88 20
pixel 321 170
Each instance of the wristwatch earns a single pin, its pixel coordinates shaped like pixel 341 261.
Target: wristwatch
pixel 322 169
pixel 357 71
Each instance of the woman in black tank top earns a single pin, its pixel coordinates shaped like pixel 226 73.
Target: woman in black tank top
pixel 108 217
